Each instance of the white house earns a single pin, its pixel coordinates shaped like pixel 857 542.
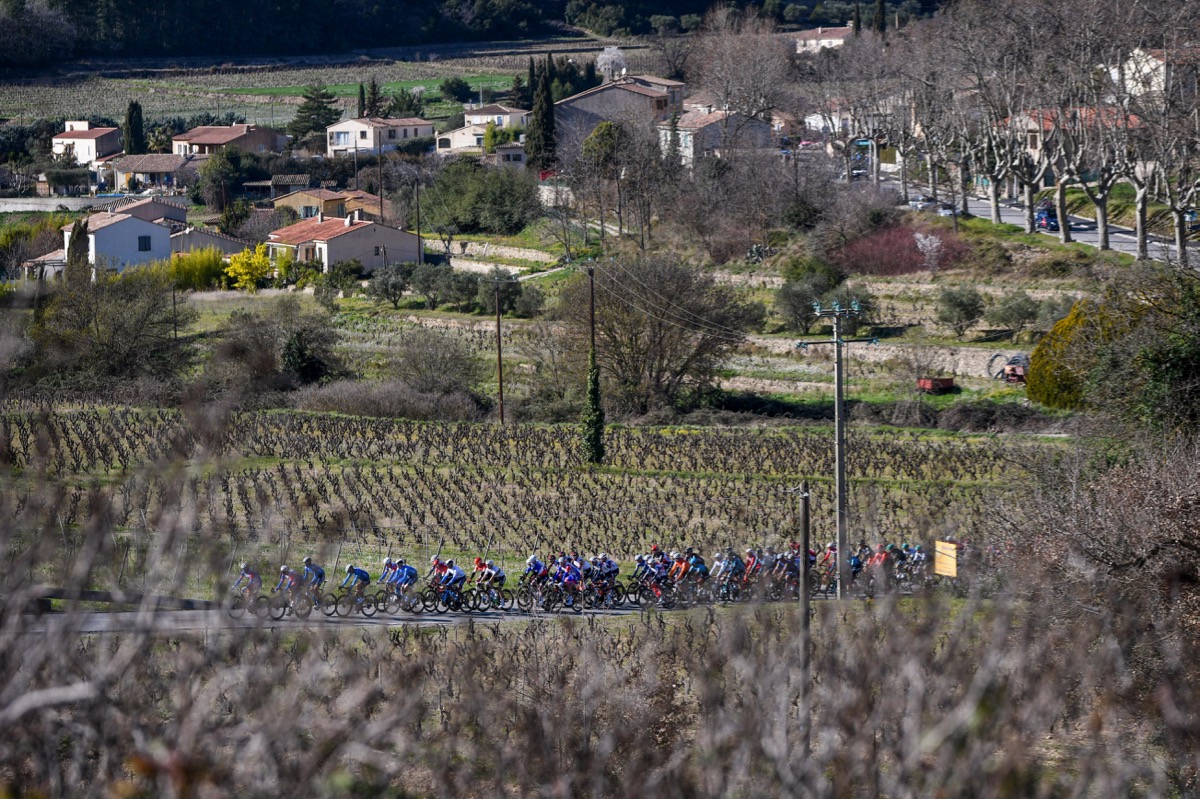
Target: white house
pixel 822 38
pixel 120 240
pixel 467 138
pixel 705 133
pixel 85 143
pixel 373 134
pixel 328 241
pixel 501 116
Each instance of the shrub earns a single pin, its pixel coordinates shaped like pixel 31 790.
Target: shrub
pixel 455 90
pixel 530 302
pixel 389 399
pixel 1013 312
pixel 1053 379
pixel 249 269
pixel 389 283
pixel 894 251
pixel 199 269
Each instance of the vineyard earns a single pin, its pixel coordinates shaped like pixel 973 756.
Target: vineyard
pixel 267 94
pixel 279 485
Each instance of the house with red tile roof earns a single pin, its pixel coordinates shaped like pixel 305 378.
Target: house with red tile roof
pixel 329 241
pixel 85 143
pixel 208 139
pixel 369 135
pixel 813 41
pixel 637 101
pixel 118 240
pixel 502 116
pixel 308 203
pixel 706 133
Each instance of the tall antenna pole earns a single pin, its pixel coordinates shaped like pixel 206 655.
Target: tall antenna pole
pixel 499 354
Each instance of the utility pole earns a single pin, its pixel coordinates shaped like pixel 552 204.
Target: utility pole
pixel 379 172
pixel 838 313
pixel 499 354
pixel 417 202
pixel 805 625
pixel 591 269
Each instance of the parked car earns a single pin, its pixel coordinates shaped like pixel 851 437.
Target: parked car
pixel 946 209
pixel 923 203
pixel 1046 219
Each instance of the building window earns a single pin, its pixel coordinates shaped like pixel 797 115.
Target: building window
pixel 377 252
pixel 362 134
pixel 392 133
pixel 308 211
pixel 143 244
pixel 406 133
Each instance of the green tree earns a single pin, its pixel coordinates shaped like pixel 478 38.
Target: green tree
pixel 218 176
pixel 879 21
pixel 959 309
pixel 374 103
pixel 430 281
pixel 1014 312
pixel 134 130
pixel 1056 373
pixel 489 138
pixel 455 90
pixel 362 102
pixel 405 104
pixel 317 111
pixel 390 283
pixel 500 282
pixel 539 138
pixel 592 423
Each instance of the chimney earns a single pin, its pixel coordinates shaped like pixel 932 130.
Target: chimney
pixel 349 220
pixel 320 216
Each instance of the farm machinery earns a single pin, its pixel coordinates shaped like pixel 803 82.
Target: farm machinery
pixel 1009 368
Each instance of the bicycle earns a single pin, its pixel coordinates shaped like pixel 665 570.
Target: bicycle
pixel 239 604
pixel 348 603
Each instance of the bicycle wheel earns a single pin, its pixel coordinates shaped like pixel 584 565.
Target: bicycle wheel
pixel 345 606
pixel 303 606
pixel 551 601
pixel 429 601
pixel 277 607
pixel 261 607
pixel 329 604
pixel 237 606
pixel 413 603
pixel 618 595
pixel 524 598
pixel 367 606
pixel 507 600
pixel 391 604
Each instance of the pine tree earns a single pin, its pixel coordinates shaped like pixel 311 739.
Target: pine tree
pixel 318 111
pixel 134 129
pixel 879 23
pixel 593 416
pixel 539 137
pixel 374 101
pixel 78 271
pixel 405 104
pixel 362 102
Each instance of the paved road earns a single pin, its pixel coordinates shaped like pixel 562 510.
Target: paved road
pixel 1084 231
pixel 170 621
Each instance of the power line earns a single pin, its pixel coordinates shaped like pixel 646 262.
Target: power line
pixel 686 325
pixel 687 313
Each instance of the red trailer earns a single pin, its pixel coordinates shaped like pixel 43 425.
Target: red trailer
pixel 935 385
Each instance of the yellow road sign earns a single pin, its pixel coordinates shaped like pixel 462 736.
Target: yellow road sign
pixel 945 559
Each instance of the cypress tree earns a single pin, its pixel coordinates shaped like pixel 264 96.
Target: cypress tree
pixel 362 102
pixel 531 82
pixel 879 23
pixel 856 22
pixel 374 103
pixel 134 129
pixel 593 416
pixel 539 137
pixel 78 271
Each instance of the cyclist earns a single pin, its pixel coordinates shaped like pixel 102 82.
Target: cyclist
pixel 253 582
pixel 454 577
pixel 609 569
pixel 492 576
pixel 361 580
pixel 567 577
pixel 314 576
pixel 535 571
pixel 389 571
pixel 699 568
pixel 289 581
pixel 437 568
pixel 404 577
pixel 679 568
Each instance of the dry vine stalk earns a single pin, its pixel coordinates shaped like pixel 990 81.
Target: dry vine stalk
pixel 917 698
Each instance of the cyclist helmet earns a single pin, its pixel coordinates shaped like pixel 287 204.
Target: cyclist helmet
pixel 387 561
pixel 678 556
pixel 603 556
pixel 434 559
pixel 478 561
pixel 917 548
pixel 530 560
pixel 283 569
pixel 308 561
pixel 350 568
pixel 640 559
pixel 654 548
pixel 400 562
pixel 489 564
pixel 245 567
pixel 718 555
pixel 831 545
pixel 562 561
pixel 450 563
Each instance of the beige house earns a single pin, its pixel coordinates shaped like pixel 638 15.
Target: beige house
pixel 511 155
pixel 214 138
pixel 814 41
pixel 636 101
pixel 373 134
pixel 309 203
pixel 85 143
pixel 468 138
pixel 163 171
pixel 501 116
pixel 328 241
